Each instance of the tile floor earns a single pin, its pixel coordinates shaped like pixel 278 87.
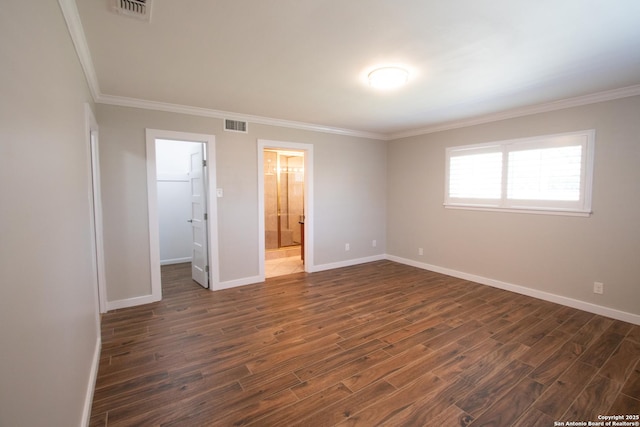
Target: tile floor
pixel 282 266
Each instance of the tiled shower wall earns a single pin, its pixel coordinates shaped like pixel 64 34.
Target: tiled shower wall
pixel 291 199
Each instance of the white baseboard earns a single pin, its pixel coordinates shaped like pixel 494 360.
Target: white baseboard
pixel 523 290
pixel 91 386
pixel 259 279
pixel 238 282
pixel 346 263
pixel 174 261
pixel 131 302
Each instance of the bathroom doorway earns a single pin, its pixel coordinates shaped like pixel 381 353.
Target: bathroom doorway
pixel 284 215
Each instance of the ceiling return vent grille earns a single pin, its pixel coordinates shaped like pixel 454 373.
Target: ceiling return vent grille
pixel 140 9
pixel 235 126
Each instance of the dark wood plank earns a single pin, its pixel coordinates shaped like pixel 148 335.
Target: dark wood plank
pixel 510 407
pixel 575 322
pixel 390 407
pixel 453 335
pixel 253 411
pixel 634 333
pixel 521 326
pixel 625 405
pixel 453 368
pixel 534 418
pixel 560 394
pixel 600 350
pixel 349 406
pixel 594 400
pixel 405 375
pixel 450 416
pixel 632 384
pixel 492 363
pixel 493 388
pixel 621 363
pixel 306 407
pixel 591 331
pixel 320 382
pixel 386 368
pixel 424 411
pixel 378 343
pixel 536 333
pixel 544 348
pixel 330 363
pixel 557 363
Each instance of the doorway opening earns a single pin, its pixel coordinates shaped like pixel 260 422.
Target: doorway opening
pixel 285 207
pixel 96 211
pixel 180 173
pixel 283 211
pixel 182 213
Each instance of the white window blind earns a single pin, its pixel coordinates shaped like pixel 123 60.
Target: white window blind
pixel 548 173
pixel 545 174
pixel 476 176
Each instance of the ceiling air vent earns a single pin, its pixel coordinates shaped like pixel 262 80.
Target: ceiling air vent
pixel 235 125
pixel 140 9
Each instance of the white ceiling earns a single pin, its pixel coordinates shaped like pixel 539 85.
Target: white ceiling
pixel 306 60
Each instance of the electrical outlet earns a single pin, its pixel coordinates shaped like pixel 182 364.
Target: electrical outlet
pixel 420 251
pixel 374 243
pixel 598 288
pixel 347 247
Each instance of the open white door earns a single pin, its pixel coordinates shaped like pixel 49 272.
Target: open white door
pixel 199 268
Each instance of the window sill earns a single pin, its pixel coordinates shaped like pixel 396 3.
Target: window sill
pixel 521 211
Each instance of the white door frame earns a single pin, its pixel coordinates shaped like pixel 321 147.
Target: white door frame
pixel 152 192
pixel 308 200
pixel 97 238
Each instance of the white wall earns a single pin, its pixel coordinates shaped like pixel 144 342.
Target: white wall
pixel 174 200
pixel 48 312
pixel 559 255
pixel 350 194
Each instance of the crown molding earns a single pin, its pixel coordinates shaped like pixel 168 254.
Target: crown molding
pixel 593 98
pixel 577 101
pixel 74 24
pixel 218 114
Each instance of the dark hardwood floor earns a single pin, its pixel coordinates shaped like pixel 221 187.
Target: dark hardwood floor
pixel 375 344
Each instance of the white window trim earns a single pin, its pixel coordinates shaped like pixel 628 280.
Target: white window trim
pixel 581 208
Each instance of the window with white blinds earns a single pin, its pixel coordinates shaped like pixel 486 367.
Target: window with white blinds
pixel 551 173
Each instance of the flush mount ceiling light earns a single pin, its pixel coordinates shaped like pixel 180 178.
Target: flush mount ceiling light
pixel 388 77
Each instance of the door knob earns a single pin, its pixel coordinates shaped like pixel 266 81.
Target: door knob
pixel 189 220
